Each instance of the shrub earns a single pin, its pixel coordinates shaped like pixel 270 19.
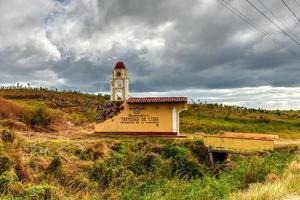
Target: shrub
pixel 199 142
pixel 7 136
pixel 22 171
pixel 255 168
pixel 9 109
pixel 135 163
pixel 150 160
pixel 40 116
pixel 90 114
pixel 102 174
pixel 5 163
pixel 4 181
pixel 181 163
pixel 76 118
pixel 38 192
pixel 171 151
pixel 55 166
pixel 89 153
pixel 184 167
pixel 144 189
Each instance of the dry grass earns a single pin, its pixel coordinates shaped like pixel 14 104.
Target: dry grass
pixel 275 188
pixel 9 109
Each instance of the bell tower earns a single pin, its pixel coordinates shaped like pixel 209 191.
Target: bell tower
pixel 120 83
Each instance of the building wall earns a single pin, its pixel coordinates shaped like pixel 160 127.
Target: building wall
pixel 143 118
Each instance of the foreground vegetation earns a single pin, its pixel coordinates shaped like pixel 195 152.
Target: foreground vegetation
pixel 48 151
pixel 132 169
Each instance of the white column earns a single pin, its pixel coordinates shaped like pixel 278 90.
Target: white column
pixel 174 120
pixel 111 90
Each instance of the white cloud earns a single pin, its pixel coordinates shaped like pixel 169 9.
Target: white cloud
pixel 167 45
pixel 47 78
pixel 253 97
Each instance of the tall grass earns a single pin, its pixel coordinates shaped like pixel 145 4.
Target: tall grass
pixel 9 109
pixel 282 186
pixel 131 169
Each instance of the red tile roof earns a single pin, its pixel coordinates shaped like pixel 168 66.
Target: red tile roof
pixel 157 100
pixel 120 65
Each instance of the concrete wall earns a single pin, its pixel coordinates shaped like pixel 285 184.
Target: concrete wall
pixel 146 118
pixel 252 135
pixel 238 144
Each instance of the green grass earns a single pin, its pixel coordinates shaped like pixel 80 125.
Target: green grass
pixel 129 169
pixel 211 118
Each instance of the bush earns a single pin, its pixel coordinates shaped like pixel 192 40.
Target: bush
pixel 55 166
pixel 181 162
pixel 89 153
pixel 76 118
pixel 143 189
pixel 9 109
pixel 256 168
pixel 90 114
pixel 199 142
pixel 5 164
pixel 150 160
pixel 38 192
pixel 171 151
pixel 40 116
pixel 102 174
pixel 7 136
pixel 184 167
pixel 22 171
pixel 4 181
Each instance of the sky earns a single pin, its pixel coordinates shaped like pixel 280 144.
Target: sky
pixel 194 48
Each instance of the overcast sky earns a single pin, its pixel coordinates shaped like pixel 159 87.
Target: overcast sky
pixel 194 48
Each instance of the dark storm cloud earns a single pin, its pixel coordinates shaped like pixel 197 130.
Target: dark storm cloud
pixel 166 45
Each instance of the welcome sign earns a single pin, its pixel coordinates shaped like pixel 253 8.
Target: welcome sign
pixel 140 119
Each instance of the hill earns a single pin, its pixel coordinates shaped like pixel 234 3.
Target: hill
pixel 68 101
pixel 48 151
pixel 215 118
pixel 48 109
pixel 209 118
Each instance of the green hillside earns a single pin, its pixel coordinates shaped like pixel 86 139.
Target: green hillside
pixel 214 118
pixel 208 118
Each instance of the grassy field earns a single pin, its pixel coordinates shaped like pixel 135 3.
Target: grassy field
pixel 213 118
pixel 48 151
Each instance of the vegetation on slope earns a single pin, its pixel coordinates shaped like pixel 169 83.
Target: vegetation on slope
pixel 48 109
pixel 80 108
pixel 67 101
pixel 127 169
pixel 285 186
pixel 214 118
